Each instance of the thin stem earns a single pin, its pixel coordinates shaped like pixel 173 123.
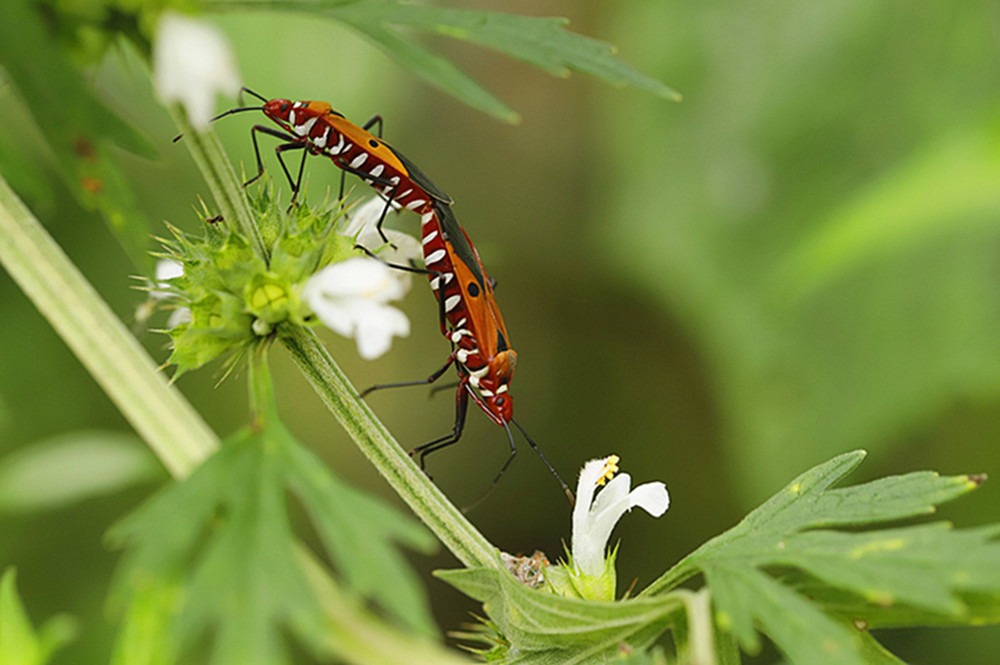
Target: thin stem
pixel 157 411
pixel 375 441
pixel 226 188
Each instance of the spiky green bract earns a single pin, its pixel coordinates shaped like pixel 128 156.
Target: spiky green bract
pixel 534 627
pixel 787 571
pixel 19 643
pixel 567 580
pixel 232 565
pixel 233 295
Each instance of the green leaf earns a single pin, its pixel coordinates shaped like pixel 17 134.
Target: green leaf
pixel 223 538
pixel 543 627
pixel 74 467
pixel 19 644
pixel 81 130
pixel 540 41
pixel 929 569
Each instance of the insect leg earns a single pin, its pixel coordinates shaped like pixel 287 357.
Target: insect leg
pixel 256 148
pixel 423 382
pixel 372 121
pixel 461 408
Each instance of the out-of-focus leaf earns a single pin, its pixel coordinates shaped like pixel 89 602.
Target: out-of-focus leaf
pixel 73 467
pixel 931 567
pixel 19 644
pixel 144 637
pixel 356 529
pixel 245 581
pixel 980 608
pixel 783 134
pixel 80 129
pixel 948 183
pixel 540 41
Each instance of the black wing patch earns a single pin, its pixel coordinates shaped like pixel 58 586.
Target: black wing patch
pixel 418 176
pixel 453 233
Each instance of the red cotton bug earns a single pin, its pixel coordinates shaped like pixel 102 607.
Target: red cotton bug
pixel 469 316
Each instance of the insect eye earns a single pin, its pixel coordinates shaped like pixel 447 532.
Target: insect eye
pixel 284 107
pixel 473 289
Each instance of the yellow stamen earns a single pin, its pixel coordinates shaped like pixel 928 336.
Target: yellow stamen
pixel 610 469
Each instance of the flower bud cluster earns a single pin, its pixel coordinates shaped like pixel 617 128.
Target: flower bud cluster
pixel 234 297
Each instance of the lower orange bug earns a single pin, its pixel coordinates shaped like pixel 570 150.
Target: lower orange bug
pixel 471 320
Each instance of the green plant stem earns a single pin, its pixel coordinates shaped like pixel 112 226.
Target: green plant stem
pixel 375 441
pixel 227 189
pixel 157 411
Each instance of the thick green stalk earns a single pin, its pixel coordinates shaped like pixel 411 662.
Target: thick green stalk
pixel 378 445
pixel 157 411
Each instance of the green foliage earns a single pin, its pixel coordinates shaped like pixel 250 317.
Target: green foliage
pixel 542 42
pixel 67 469
pixel 19 643
pixel 217 552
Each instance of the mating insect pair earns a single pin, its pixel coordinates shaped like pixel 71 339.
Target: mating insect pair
pixel 468 312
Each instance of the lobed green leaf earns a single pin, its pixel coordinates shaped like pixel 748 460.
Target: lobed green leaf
pixel 920 573
pixel 233 559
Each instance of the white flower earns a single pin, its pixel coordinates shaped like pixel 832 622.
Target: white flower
pixel 350 296
pixel 192 62
pixel 595 518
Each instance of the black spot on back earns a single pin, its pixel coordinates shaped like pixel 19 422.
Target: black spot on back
pixel 473 289
pixel 373 143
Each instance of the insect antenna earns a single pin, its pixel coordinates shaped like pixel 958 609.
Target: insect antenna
pixel 569 494
pixel 503 469
pixel 224 114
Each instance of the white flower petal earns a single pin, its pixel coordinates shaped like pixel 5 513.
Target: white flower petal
pixel 349 298
pixel 615 492
pixel 166 269
pixel 177 317
pixel 651 497
pixel 375 332
pixel 192 63
pixel 586 485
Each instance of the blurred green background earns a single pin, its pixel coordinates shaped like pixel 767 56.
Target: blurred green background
pixel 800 259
